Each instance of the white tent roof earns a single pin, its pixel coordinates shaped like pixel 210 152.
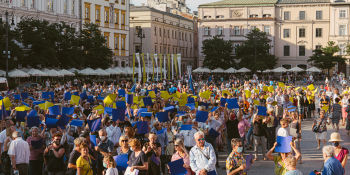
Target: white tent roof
pixel 267 71
pixel 112 71
pixel 243 70
pixel 73 70
pixel 205 70
pixel 18 73
pixel 87 71
pixel 296 69
pixel 197 70
pixel 119 70
pixel 52 73
pixel 101 72
pixel 279 69
pixel 66 72
pixel 2 73
pixel 36 73
pixel 231 70
pixel 313 69
pixel 218 70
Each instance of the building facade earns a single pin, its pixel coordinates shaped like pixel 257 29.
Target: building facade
pixel 166 5
pixel 113 18
pixel 163 33
pixel 50 10
pixel 296 27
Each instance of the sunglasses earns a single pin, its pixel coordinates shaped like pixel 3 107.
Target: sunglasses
pixel 124 140
pixel 202 139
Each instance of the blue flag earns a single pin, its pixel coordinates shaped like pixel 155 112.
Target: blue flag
pixel 191 85
pixel 3 110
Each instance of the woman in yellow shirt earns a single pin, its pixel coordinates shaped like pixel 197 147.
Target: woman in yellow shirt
pixel 84 161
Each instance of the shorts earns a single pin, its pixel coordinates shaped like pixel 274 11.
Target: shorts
pixel 321 136
pixel 301 110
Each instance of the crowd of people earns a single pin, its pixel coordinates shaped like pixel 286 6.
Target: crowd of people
pixel 75 127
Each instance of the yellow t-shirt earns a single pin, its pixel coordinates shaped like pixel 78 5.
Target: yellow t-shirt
pixel 84 165
pixel 280 166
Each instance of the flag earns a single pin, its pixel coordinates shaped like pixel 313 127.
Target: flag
pixel 191 84
pixel 3 111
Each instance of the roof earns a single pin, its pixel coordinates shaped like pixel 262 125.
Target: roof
pixel 233 3
pixel 302 1
pixel 146 8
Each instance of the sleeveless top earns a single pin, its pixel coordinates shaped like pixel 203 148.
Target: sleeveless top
pixel 53 163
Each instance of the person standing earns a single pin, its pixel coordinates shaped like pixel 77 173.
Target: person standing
pixel 320 129
pixel 19 153
pixel 181 153
pixel 202 156
pixel 53 156
pixel 340 152
pixel 37 146
pixel 336 115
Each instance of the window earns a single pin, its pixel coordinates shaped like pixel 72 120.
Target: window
pixel 32 4
pixel 342 14
pixel 301 15
pixel 168 33
pixel 286 50
pixel 286 15
pixel 116 41
pixel 106 15
pixel 106 34
pixel 318 15
pixel 342 49
pixel 155 31
pixel 123 42
pixel 65 8
pixel 318 32
pixel 116 16
pixel 267 30
pixel 206 31
pixel 123 17
pixel 342 30
pixel 301 50
pixel 160 32
pixel 266 15
pixel 235 46
pixel 87 11
pixel 73 6
pixel 252 27
pixel 236 30
pixel 286 33
pixel 301 32
pixel 50 5
pixel 318 47
pixel 220 31
pixel 98 13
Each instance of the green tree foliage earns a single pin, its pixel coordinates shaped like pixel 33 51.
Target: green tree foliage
pixel 325 57
pixel 255 52
pixel 217 53
pixel 60 45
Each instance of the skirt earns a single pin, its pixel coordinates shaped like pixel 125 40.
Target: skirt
pixel 321 136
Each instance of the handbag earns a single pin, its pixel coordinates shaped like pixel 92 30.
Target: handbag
pixel 316 128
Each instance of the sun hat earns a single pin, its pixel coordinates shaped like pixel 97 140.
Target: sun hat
pixel 335 137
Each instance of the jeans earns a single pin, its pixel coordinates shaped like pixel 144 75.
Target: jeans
pixel 249 134
pixel 35 167
pixel 259 140
pixel 22 168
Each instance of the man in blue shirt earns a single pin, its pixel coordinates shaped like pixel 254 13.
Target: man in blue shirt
pixel 332 166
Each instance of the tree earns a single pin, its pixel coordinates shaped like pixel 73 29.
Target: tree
pixel 217 53
pixel 325 57
pixel 255 52
pixel 96 53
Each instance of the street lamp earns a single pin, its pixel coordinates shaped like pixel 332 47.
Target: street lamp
pixel 141 35
pixel 6 52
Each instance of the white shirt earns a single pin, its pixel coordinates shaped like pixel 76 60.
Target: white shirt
pixel 2 139
pixel 188 136
pixel 112 171
pixel 20 149
pixel 284 132
pixel 113 133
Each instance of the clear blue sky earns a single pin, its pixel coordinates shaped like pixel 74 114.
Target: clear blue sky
pixel 192 4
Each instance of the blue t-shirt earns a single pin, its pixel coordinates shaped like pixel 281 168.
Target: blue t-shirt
pixel 294 172
pixel 332 167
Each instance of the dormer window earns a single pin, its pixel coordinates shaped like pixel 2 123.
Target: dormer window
pixel 266 15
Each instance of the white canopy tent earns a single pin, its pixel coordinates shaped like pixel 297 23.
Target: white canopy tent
pixel 243 70
pixel 73 70
pixel 313 69
pixel 2 73
pixel 112 71
pixel 88 71
pixel 52 73
pixel 279 70
pixel 198 70
pixel 119 70
pixel 296 69
pixel 267 71
pixel 36 73
pixel 15 73
pixel 66 72
pixel 101 72
pixel 205 70
pixel 231 70
pixel 218 70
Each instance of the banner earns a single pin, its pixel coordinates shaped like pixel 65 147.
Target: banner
pixel 152 59
pixel 138 60
pixel 168 66
pixel 144 68
pixel 148 66
pixel 161 65
pixel 133 67
pixel 172 66
pixel 165 71
pixel 179 64
pixel 156 58
pixel 175 65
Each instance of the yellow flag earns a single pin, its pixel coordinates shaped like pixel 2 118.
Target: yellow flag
pixel 46 105
pixel 152 58
pixel 23 108
pixel 108 100
pixel 256 91
pixel 271 89
pixel 311 87
pixel 169 67
pixel 165 95
pixel 226 92
pixel 265 97
pixel 281 84
pixel 74 100
pixel 291 99
pixel 325 108
pixel 100 109
pixel 274 103
pixel 265 88
pixel 297 88
pixel 152 94
pixel 205 94
pixel 7 102
pixel 247 93
pixel 256 102
pixel 175 63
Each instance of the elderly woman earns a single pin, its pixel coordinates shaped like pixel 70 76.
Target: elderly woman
pixel 331 164
pixel 137 159
pixel 340 152
pixel 36 144
pixel 235 162
pixel 280 160
pixel 181 153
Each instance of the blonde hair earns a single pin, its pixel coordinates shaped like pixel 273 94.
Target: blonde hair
pixel 180 143
pixel 135 142
pixel 110 161
pixel 284 120
pixel 122 138
pixel 291 161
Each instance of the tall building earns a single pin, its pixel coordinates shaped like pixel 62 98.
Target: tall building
pixel 296 27
pixel 113 18
pixel 50 10
pixel 163 33
pixel 169 5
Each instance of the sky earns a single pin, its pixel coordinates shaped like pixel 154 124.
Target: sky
pixel 192 4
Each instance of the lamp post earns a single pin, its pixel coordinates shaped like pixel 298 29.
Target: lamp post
pixel 141 35
pixel 7 52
